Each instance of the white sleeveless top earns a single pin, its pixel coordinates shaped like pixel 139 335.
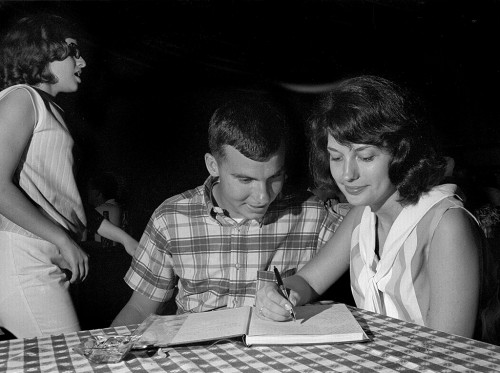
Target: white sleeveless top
pixel 45 171
pixel 398 284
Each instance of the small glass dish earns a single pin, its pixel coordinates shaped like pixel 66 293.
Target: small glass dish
pixel 106 348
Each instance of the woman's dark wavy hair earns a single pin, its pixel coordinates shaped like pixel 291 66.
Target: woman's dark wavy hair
pixel 372 110
pixel 28 47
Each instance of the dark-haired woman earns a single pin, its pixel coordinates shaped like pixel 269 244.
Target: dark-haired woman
pixel 40 206
pixel 413 251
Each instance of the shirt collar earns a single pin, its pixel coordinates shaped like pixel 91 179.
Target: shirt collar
pixel 214 210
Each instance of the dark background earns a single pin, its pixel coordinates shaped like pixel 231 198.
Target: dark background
pixel 156 70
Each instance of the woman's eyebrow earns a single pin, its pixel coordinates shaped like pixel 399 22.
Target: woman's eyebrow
pixel 363 147
pixel 358 149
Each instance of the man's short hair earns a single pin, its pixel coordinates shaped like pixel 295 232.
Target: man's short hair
pixel 254 127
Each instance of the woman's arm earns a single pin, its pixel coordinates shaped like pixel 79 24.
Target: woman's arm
pixel 114 233
pixel 454 274
pixel 17 120
pixel 329 264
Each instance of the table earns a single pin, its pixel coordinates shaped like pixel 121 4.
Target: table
pixel 396 346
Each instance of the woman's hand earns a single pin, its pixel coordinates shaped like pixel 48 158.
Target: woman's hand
pixel 74 259
pixel 271 304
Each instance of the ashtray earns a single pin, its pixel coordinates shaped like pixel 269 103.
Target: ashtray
pixel 106 348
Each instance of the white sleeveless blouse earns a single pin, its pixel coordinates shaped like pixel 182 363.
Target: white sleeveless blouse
pixel 398 284
pixel 45 171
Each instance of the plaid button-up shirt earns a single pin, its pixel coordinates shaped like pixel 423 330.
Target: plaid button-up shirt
pixel 214 260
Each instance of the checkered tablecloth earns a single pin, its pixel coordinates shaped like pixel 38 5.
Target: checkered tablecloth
pixel 395 346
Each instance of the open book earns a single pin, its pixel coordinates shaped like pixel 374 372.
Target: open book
pixel 316 324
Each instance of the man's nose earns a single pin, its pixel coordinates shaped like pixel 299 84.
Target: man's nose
pixel 262 194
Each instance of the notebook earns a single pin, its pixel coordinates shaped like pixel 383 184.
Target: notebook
pixel 315 324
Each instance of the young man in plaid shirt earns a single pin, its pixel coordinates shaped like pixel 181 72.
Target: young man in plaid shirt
pixel 216 242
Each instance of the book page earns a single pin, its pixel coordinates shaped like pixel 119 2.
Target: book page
pixel 206 326
pixel 160 330
pixel 334 321
pixel 194 327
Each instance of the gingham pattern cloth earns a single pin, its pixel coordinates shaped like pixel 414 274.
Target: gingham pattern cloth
pixel 395 346
pixel 213 259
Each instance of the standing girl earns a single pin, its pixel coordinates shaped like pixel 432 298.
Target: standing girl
pixel 40 206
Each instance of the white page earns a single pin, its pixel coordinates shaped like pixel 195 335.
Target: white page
pixel 214 325
pixel 162 330
pixel 311 320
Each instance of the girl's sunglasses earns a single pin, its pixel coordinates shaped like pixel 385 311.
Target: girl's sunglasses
pixel 74 51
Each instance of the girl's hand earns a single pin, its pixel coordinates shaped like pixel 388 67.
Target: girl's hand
pixel 74 259
pixel 271 304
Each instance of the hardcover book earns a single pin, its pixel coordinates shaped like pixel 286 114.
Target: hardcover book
pixel 315 324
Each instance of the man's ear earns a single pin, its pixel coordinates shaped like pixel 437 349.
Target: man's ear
pixel 211 163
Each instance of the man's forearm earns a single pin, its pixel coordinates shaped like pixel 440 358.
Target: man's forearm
pixel 136 310
pixel 128 316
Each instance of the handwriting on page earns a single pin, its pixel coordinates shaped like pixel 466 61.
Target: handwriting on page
pixel 329 320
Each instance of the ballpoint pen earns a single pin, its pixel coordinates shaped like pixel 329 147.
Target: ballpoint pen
pixel 283 290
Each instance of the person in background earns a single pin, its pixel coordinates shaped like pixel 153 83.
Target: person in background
pixel 217 242
pixel 413 251
pixel 41 211
pixel 97 223
pixel 102 195
pixel 102 190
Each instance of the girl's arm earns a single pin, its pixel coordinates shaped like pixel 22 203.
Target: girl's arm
pixel 328 265
pixel 17 120
pixel 454 274
pixel 114 233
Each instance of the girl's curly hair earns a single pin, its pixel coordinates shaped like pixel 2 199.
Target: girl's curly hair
pixel 28 47
pixel 372 110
